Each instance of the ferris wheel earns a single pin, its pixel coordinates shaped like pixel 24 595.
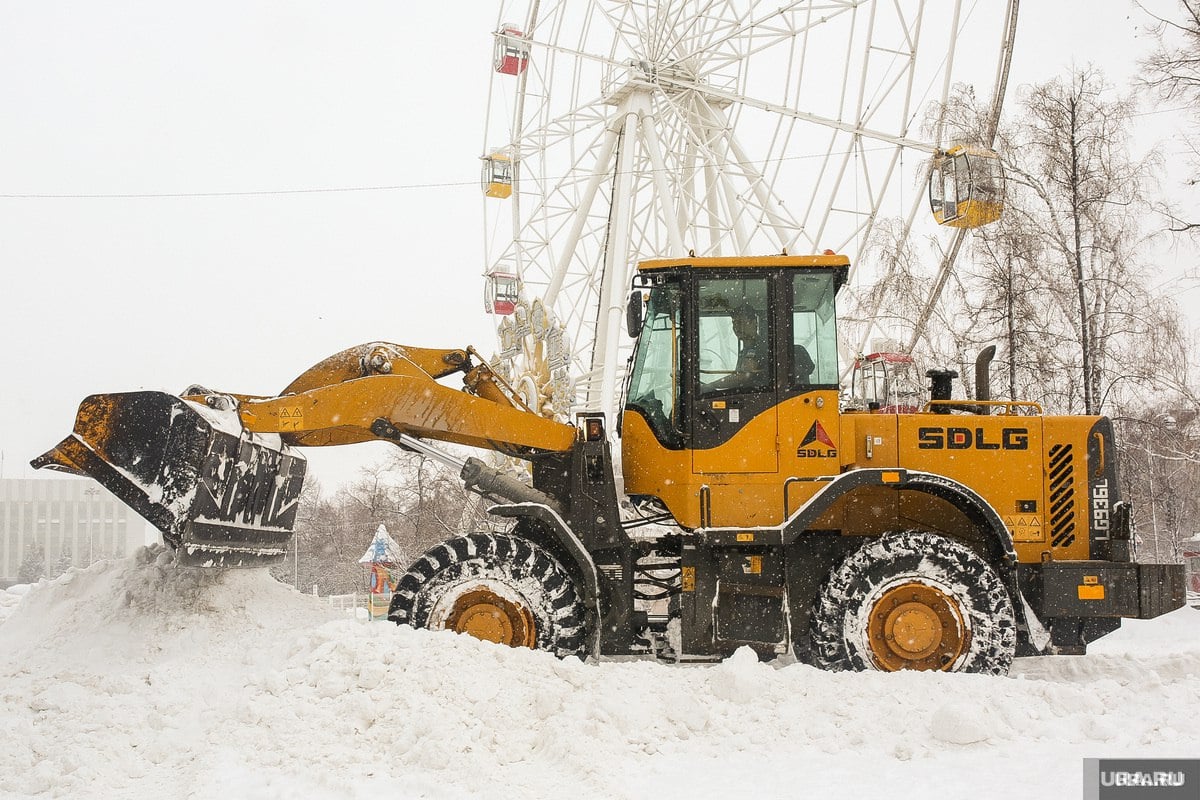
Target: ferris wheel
pixel 619 130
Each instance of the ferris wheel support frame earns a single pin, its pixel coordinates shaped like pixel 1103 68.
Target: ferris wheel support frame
pixel 615 248
pixel 672 217
pixel 602 169
pixel 773 213
pixel 632 126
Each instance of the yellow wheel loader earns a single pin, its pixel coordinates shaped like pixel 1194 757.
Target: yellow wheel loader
pixel 748 508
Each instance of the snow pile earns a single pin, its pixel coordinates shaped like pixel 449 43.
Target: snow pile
pixel 11 598
pixel 138 678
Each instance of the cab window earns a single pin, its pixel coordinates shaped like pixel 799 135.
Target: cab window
pixel 813 360
pixel 734 353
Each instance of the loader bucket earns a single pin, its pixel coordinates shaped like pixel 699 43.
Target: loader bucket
pixel 222 496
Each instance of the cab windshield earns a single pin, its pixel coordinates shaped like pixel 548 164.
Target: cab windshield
pixel 654 384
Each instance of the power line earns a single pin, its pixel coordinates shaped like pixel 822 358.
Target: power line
pixel 328 189
pixel 158 195
pixel 1161 111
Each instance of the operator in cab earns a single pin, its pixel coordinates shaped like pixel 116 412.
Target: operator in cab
pixel 751 371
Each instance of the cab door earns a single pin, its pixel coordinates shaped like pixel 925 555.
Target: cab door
pixel 734 424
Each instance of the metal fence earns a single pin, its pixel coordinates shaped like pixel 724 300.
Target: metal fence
pixel 363 606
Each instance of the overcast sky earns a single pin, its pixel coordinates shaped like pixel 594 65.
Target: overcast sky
pixel 243 292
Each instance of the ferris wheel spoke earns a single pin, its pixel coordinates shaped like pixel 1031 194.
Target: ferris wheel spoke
pixel 707 35
pixel 759 26
pixel 709 139
pixel 878 194
pixel 600 170
pixel 853 128
pixel 723 146
pixel 658 166
pixel 776 217
pixel 830 208
pixel 718 25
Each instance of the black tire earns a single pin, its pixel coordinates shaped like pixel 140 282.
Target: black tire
pixel 914 600
pixel 496 587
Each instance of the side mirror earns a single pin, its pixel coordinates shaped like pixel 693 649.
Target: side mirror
pixel 634 313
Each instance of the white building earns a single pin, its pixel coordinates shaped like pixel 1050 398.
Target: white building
pixel 71 518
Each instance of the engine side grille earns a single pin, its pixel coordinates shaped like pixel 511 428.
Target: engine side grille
pixel 1062 495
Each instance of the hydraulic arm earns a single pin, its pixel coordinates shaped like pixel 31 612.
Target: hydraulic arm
pixel 219 474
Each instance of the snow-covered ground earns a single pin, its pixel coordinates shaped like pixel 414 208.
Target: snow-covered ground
pixel 138 679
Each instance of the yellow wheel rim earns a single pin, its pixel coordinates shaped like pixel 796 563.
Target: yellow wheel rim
pixel 486 615
pixel 916 626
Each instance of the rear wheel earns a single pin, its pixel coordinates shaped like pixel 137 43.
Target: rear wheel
pixel 495 587
pixel 914 600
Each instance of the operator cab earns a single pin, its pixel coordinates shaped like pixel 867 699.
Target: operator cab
pixel 728 349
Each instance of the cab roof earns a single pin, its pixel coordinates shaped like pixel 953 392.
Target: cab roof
pixel 745 262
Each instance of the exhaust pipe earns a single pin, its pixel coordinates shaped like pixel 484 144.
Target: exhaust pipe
pixel 940 388
pixel 983 377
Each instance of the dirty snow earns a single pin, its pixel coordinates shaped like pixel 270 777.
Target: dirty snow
pixel 140 679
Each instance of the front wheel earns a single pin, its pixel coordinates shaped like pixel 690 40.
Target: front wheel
pixel 914 600
pixel 495 587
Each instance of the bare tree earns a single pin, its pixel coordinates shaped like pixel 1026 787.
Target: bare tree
pixel 1009 290
pixel 1160 464
pixel 419 501
pixel 1063 281
pixel 1172 71
pixel 434 504
pixel 1173 68
pixel 897 296
pixel 1081 197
